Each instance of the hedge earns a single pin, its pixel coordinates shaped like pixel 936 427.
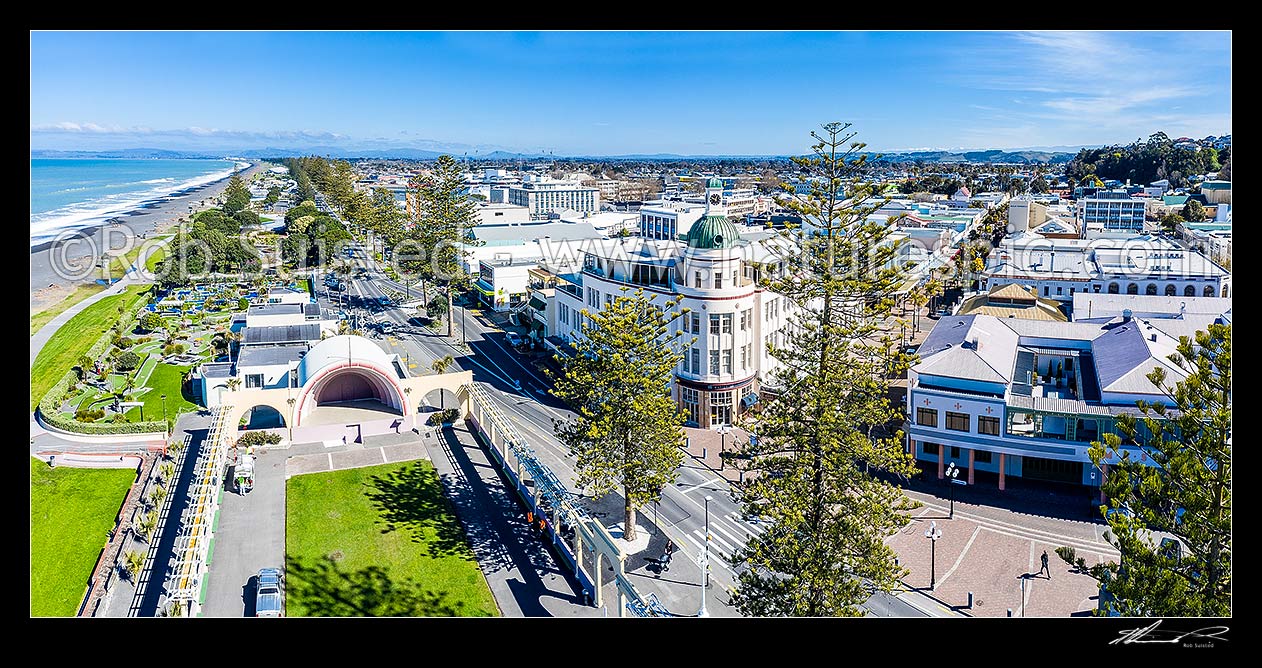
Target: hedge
pixel 50 406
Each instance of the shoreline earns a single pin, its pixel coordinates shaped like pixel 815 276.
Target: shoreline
pixel 122 231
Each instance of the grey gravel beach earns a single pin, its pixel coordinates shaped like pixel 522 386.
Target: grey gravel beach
pixel 58 267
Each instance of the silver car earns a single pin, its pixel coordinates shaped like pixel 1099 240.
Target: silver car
pixel 268 599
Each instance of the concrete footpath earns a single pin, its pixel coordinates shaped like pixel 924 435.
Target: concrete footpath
pixel 524 575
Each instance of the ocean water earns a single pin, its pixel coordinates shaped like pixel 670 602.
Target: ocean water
pixel 67 194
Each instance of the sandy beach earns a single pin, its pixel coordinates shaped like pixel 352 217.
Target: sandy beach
pixel 80 253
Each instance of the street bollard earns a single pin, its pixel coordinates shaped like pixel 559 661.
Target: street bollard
pixel 1009 612
pixel 970 600
pixel 703 454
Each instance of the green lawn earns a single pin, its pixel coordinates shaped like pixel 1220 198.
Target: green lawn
pixel 71 512
pixel 75 337
pixel 157 256
pixel 165 379
pixel 379 541
pixel 80 293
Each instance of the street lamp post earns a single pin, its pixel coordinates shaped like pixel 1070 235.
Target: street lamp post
pixel 952 476
pixel 933 533
pixel 705 559
pixel 723 430
pixel 165 426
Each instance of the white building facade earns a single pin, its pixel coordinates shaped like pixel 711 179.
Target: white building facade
pixel 542 196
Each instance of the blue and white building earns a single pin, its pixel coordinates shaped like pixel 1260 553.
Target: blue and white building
pixel 1025 398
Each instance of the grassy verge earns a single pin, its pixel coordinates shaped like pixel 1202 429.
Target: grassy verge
pixel 71 512
pixel 80 293
pixel 165 379
pixel 379 541
pixel 75 338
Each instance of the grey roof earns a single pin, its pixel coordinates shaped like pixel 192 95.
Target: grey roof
pixel 275 309
pixel 949 351
pixel 281 334
pixel 1125 355
pixel 217 369
pixel 1076 331
pixel 1187 326
pixel 271 355
pixel 528 233
pixel 1076 406
pixel 285 291
pixel 311 309
pixel 1096 305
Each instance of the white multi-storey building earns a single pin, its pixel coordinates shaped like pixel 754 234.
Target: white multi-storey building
pixel 544 195
pixel 1111 210
pixel 729 321
pixel 668 220
pixel 1141 264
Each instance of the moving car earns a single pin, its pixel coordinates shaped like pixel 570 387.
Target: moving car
pixel 268 601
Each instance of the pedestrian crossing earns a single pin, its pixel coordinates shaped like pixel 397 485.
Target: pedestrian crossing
pixel 728 533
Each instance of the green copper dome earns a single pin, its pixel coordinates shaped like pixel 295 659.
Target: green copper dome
pixel 715 183
pixel 713 232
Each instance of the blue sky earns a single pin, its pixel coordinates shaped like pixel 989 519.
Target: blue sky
pixel 608 93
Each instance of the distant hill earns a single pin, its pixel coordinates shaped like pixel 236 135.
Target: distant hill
pixel 1023 157
pixel 124 153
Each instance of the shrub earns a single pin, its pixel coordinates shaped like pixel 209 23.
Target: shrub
pixel 150 321
pixel 89 415
pixel 440 417
pixel 126 361
pixel 258 438
pixel 122 342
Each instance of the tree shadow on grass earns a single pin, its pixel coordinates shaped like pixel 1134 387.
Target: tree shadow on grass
pixel 318 588
pixel 411 499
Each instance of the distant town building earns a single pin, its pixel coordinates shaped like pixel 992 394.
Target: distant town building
pixel 542 195
pixel 1111 210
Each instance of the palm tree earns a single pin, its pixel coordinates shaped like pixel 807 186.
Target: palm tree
pixel 233 384
pixel 157 495
pixel 167 471
pixel 85 365
pixel 441 366
pixel 133 560
pixel 144 528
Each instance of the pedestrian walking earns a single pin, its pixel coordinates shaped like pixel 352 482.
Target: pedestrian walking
pixel 667 553
pixel 1045 569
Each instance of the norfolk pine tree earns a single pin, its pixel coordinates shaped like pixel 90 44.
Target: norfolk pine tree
pixel 628 431
pixel 446 218
pixel 1188 467
pixel 824 549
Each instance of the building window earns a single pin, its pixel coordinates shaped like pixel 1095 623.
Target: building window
pixel 957 421
pixel 926 417
pixel 698 275
pixel 981 456
pixel 955 452
pixel 564 315
pixel 726 319
pixel 1132 289
pixel 1045 290
pixel 744 358
pixel 734 276
pixel 1189 291
pixel 727 360
pixel 720 408
pixel 1209 291
pixel 714 323
pixel 254 380
pixel 718 281
pixel 988 425
pixel 1059 290
pixel 1113 288
pixel 1151 289
pixel 696 322
pixel 714 362
pixel 689 398
pixel 696 361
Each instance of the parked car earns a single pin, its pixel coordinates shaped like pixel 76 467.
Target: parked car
pixel 268 600
pixel 514 339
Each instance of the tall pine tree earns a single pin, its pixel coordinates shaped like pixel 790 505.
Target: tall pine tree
pixel 829 419
pixel 629 431
pixel 1183 491
pixel 444 226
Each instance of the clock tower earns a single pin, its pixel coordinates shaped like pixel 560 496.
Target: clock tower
pixel 714 198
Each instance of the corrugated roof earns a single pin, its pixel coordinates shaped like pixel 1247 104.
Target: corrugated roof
pixel 271 355
pixel 281 334
pixel 1125 355
pixel 1032 312
pixel 948 350
pixel 1013 291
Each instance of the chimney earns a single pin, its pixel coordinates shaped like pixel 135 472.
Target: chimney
pixel 1153 337
pixel 976 344
pixel 1126 315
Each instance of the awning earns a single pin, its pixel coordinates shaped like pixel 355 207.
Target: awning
pixel 486 291
pixel 537 303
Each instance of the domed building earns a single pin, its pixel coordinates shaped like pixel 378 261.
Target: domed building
pixel 712 268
